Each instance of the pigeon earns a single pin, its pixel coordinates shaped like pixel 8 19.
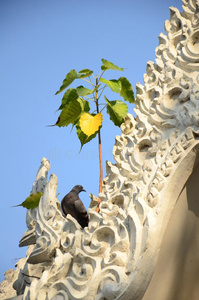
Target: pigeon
pixel 72 204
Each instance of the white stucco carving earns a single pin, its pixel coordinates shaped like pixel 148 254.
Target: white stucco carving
pixel 114 258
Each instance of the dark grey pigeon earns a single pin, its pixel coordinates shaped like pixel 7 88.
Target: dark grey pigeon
pixel 72 204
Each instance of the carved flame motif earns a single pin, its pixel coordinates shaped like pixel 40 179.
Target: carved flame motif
pixel 115 256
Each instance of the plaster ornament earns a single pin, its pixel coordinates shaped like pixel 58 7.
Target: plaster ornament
pixel 114 258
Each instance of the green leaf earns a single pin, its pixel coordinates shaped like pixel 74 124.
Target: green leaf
pixel 70 95
pixel 69 114
pixel 114 85
pixel 117 111
pixel 82 91
pixel 84 73
pixel 83 137
pixel 70 77
pixel 126 90
pixel 32 201
pixel 86 106
pixel 107 65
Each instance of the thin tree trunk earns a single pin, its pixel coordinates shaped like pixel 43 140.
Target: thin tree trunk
pixel 100 153
pixel 101 169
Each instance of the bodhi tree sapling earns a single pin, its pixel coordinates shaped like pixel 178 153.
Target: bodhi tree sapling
pixel 75 108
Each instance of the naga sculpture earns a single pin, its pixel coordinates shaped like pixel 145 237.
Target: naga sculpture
pixel 115 256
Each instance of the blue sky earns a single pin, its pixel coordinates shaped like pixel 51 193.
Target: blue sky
pixel 41 41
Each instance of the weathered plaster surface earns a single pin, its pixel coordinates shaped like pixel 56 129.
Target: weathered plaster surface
pixel 176 273
pixel 115 257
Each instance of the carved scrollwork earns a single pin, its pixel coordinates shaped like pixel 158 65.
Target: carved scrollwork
pixel 107 260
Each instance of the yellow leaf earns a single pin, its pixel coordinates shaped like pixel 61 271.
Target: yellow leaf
pixel 90 124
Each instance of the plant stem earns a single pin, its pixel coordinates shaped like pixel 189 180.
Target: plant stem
pixel 102 90
pixel 88 81
pixel 101 74
pixel 100 161
pixel 100 151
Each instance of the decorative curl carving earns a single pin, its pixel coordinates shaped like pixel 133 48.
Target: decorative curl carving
pixel 107 260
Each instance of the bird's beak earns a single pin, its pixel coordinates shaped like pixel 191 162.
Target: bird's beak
pixel 83 190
